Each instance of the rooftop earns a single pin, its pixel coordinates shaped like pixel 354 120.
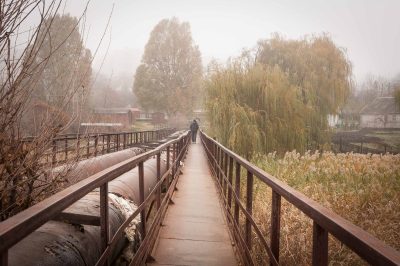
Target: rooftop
pixel 381 105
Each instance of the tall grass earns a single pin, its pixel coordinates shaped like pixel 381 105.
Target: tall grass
pixel 364 189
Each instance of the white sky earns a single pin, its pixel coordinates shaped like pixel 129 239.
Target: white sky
pixel 368 29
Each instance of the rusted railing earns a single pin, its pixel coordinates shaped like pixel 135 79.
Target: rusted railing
pixel 227 165
pixel 82 146
pixel 21 225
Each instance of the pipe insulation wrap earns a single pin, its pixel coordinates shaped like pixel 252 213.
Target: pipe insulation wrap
pixel 61 243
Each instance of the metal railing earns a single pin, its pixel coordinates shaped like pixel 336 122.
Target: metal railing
pixel 22 224
pixel 227 165
pixel 82 146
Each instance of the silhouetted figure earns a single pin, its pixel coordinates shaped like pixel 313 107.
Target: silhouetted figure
pixel 193 128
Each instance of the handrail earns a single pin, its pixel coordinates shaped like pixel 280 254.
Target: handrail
pixel 325 221
pixel 63 147
pixel 22 224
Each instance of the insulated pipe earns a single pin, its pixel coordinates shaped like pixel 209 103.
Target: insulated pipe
pixel 65 243
pixel 61 243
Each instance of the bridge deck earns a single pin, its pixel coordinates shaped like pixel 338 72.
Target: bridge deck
pixel 194 230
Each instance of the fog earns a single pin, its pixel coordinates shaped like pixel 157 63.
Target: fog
pixel 369 30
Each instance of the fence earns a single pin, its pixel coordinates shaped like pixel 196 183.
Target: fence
pixel 82 146
pixel 21 225
pixel 225 165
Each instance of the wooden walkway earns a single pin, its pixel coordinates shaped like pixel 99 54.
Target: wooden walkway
pixel 194 230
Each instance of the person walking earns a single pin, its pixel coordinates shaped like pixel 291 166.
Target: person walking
pixel 193 128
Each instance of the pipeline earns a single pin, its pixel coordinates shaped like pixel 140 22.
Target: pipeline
pixel 69 243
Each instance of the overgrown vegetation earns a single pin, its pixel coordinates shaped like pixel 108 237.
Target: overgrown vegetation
pixel 44 72
pixel 364 189
pixel 278 97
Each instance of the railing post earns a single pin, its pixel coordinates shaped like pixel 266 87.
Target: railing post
pixel 66 148
pixel 54 152
pixel 88 147
pixel 275 224
pixel 102 144
pixel 104 222
pixel 249 207
pixel 168 155
pixel 237 191
pixel 158 179
pixel 226 174
pixel 4 258
pixel 96 141
pixel 320 246
pixel 218 163
pixel 118 142
pixel 124 145
pixel 108 143
pixel 230 175
pixel 141 200
pixel 173 160
pixel 78 146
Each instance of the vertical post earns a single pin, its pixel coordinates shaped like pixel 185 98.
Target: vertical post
pixel 275 224
pixel 66 148
pixel 118 142
pixel 124 141
pixel 104 226
pixel 226 174
pixel 173 160
pixel 141 200
pixel 361 147
pixel 88 146
pixel 54 152
pixel 237 191
pixel 96 142
pixel 4 258
pixel 230 175
pixel 102 144
pixel 218 163
pixel 78 146
pixel 158 179
pixel 320 246
pixel 108 142
pixel 249 207
pixel 168 155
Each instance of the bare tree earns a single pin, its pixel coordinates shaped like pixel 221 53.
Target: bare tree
pixel 24 178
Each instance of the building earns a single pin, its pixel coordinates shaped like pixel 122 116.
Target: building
pixel 123 118
pixel 383 112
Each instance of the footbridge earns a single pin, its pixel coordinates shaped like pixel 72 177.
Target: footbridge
pixel 179 203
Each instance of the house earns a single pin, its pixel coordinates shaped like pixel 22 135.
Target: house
pixel 383 112
pixel 123 116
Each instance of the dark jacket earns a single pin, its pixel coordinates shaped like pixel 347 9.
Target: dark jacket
pixel 194 126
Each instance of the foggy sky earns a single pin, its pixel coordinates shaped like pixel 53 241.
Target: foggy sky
pixel 368 29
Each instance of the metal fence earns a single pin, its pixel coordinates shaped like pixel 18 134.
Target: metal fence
pixel 227 165
pixel 21 225
pixel 82 146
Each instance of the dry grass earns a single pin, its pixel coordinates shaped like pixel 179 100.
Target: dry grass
pixel 365 189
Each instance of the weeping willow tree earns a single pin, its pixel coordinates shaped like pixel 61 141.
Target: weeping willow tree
pixel 279 97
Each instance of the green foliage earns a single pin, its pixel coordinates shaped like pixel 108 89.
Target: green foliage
pixel 279 98
pixel 171 69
